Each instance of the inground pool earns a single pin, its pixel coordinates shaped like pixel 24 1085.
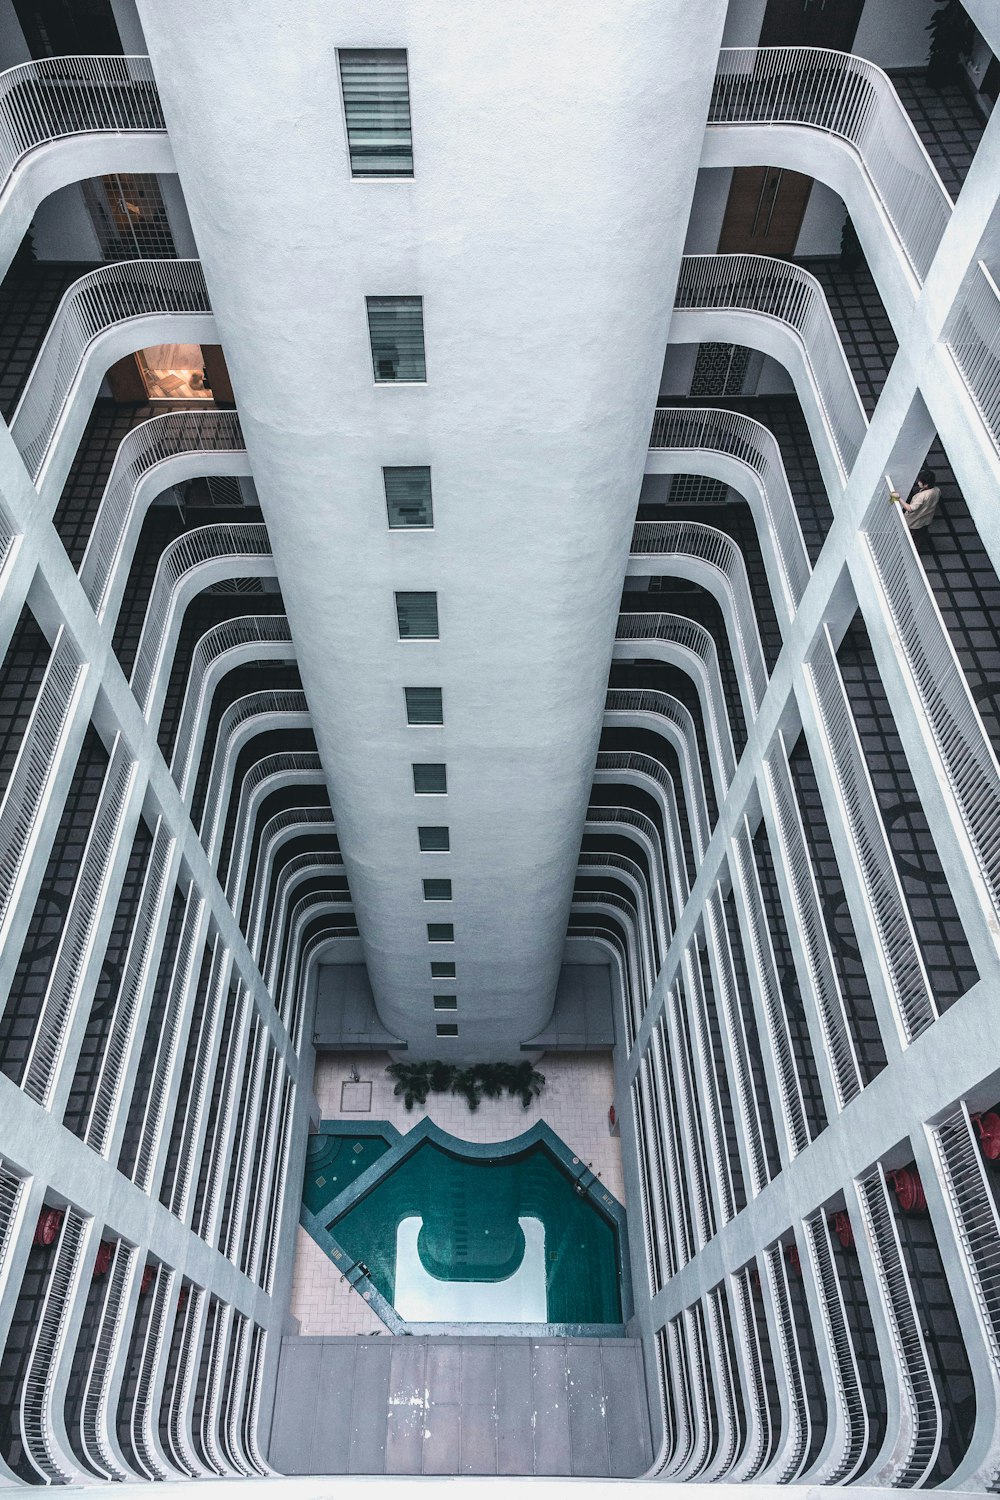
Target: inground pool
pixel 447 1238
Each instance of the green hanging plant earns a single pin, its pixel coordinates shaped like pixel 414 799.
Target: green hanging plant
pixel 487 1080
pixel 952 35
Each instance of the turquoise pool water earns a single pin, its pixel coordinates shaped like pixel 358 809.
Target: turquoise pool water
pixel 450 1239
pixel 333 1162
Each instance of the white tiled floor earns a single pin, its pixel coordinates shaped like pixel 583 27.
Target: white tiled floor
pixel 579 1087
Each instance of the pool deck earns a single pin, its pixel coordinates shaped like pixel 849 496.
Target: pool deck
pixel 574 1104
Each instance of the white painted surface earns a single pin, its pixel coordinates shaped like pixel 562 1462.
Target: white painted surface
pixel 542 228
pixel 13 48
pixel 822 223
pixel 62 229
pixel 894 35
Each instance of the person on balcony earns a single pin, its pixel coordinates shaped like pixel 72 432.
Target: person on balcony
pixel 918 510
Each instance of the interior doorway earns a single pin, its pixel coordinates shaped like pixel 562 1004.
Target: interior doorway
pixel 174 372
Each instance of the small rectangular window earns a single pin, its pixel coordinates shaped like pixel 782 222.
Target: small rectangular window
pixel 440 932
pixel 434 840
pixel 429 777
pixel 408 497
pixel 424 705
pixel 437 890
pixel 446 1002
pixel 447 1028
pixel 376 93
pixel 442 970
pixel 417 617
pixel 396 329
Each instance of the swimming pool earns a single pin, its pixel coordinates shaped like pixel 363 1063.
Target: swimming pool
pixel 334 1161
pixel 455 1234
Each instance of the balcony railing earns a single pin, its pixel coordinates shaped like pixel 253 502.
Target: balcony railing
pixel 682 734
pixel 631 763
pixel 848 97
pixel 117 293
pixel 53 98
pixel 851 1416
pixel 787 1464
pixel 782 291
pixel 287 767
pixel 245 543
pixel 973 336
pixel 748 442
pixel 812 931
pixel 257 712
pixel 213 655
pixel 109 1346
pixel 914 1003
pixel 969 760
pixel 716 560
pixel 63 992
pixel 976 1216
pixel 919 1438
pixel 36 763
pixel 693 649
pixel 38 1419
pixel 140 453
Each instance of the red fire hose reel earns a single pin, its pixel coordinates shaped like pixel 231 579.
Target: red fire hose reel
pixel 48 1226
pixel 987 1127
pixel 102 1261
pixel 909 1189
pixel 843 1229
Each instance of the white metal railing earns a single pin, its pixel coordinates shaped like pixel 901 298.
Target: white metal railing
pixel 706 429
pixel 251 1404
pixel 709 1088
pixel 781 290
pixel 183 977
pixel 808 918
pixel 975 1213
pixel 154 903
pixel 645 829
pixel 973 336
pixel 636 763
pixel 269 1227
pixel 730 1433
pixel 794 1445
pixel 290 766
pixel 143 1421
pixel 271 960
pixel 215 1154
pixel 197 1103
pixel 74 953
pixel 116 293
pixel 44 735
pixel 760 952
pixel 968 758
pixel 11 1191
pixel 684 741
pixel 919 1438
pixel 848 97
pixel 182 1390
pixel 50 1335
pixel 210 656
pixel 759 1442
pixel 693 648
pixel 252 714
pixel 715 551
pixel 140 452
pixel 669 1036
pixel 53 98
pixel 109 1345
pixel 846 1455
pixel 642 897
pixel 243 541
pixel 910 988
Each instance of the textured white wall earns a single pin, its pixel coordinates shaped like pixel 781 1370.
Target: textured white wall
pixel 555 161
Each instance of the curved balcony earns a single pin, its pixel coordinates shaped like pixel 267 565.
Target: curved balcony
pixel 40 753
pixel 162 451
pixel 913 1434
pixel 777 307
pixel 315 825
pixel 743 453
pixel 108 313
pixel 793 1446
pixel 302 867
pixel 283 768
pixel 709 557
pixel 651 776
pixel 628 823
pixel 189 564
pixel 251 715
pixel 848 127
pixel 691 647
pixel 104 110
pixel 229 644
pixel 621 870
pixel 668 716
pixel 847 1415
pixel 914 1005
pixel 63 993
